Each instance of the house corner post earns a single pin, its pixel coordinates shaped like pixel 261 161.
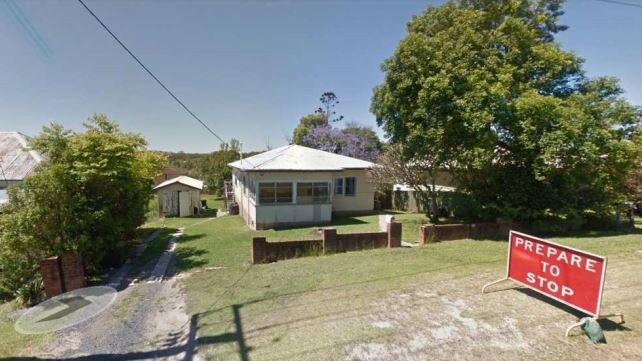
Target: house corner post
pixel 394 234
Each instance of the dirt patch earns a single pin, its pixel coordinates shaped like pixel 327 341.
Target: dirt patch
pixel 450 320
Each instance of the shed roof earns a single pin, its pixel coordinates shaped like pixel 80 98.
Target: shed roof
pixel 16 159
pixel 185 180
pixel 299 158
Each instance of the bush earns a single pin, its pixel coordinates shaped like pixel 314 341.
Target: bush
pixel 89 195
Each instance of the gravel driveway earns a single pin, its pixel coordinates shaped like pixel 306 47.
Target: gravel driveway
pixel 147 321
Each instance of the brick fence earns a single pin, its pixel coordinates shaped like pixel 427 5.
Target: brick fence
pixel 330 242
pixel 62 273
pixel 429 233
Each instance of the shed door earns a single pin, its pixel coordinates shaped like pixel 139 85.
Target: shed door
pixel 185 202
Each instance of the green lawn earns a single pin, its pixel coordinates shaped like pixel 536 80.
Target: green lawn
pixel 410 227
pixel 12 340
pixel 300 308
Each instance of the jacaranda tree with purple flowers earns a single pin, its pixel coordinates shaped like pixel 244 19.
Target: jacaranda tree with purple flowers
pixel 340 141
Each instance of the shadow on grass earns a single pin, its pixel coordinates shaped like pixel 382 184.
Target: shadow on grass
pixel 186 238
pixel 190 257
pixel 550 301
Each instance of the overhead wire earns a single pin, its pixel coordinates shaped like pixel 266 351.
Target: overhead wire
pixel 190 112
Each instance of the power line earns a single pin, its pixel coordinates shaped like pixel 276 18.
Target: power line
pixel 616 2
pixel 149 72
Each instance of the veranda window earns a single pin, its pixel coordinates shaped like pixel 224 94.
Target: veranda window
pixel 310 193
pixel 275 193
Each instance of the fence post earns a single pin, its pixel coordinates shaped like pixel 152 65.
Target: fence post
pixel 329 240
pixel 259 250
pixel 394 234
pixel 52 276
pixel 73 271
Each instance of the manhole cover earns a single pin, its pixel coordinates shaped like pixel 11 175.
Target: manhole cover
pixel 66 310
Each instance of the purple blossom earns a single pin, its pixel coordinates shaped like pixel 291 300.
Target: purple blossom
pixel 330 139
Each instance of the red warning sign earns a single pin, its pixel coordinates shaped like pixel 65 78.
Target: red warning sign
pixel 568 275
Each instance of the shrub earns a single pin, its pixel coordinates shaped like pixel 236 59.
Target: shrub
pixel 89 195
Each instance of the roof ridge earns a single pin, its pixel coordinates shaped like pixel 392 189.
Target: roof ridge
pixel 280 153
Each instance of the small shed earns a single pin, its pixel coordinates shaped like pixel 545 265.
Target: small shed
pixel 179 197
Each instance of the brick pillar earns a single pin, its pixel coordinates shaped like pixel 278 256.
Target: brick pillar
pixel 52 276
pixel 329 240
pixel 427 234
pixel 259 250
pixel 394 234
pixel 422 234
pixel 73 271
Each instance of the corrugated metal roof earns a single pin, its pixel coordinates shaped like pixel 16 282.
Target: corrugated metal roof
pixel 296 157
pixel 16 160
pixel 188 181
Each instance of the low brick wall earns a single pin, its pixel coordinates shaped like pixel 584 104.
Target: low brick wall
pixel 330 242
pixel 266 252
pixel 429 233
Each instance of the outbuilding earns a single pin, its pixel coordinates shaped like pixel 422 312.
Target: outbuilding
pixel 179 197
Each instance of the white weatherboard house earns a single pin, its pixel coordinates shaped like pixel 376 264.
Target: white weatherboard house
pixel 296 185
pixel 179 197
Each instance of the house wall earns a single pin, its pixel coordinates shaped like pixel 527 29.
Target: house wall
pixel 6 183
pixel 362 201
pixel 168 199
pixel 258 216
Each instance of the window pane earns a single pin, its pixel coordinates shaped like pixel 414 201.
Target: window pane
pixel 308 193
pixel 284 192
pixel 351 186
pixel 321 193
pixel 338 186
pixel 304 193
pixel 266 193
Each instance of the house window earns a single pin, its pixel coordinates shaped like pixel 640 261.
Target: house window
pixel 338 186
pixel 275 193
pixel 350 186
pixel 310 193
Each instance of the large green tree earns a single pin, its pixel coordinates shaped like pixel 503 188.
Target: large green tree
pixel 482 88
pixel 306 124
pixel 89 195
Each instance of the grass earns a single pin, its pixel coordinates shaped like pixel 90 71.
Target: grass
pixel 301 308
pixel 12 340
pixel 410 227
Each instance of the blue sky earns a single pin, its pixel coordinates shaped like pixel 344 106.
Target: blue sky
pixel 249 69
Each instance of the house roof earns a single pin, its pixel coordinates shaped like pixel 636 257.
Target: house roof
pixel 16 160
pixel 185 180
pixel 299 158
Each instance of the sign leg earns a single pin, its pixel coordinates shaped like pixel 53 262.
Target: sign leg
pixel 493 283
pixel 575 325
